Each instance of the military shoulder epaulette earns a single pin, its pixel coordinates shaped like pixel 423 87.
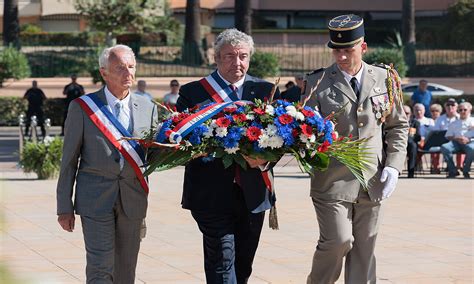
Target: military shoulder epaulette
pixel 382 65
pixel 315 71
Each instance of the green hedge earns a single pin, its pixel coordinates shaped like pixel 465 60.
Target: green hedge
pixel 12 107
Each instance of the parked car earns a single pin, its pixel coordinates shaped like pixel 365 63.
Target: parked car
pixel 435 89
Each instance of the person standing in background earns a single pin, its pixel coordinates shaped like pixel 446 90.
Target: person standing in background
pixel 35 97
pixel 141 90
pixel 422 96
pixel 72 91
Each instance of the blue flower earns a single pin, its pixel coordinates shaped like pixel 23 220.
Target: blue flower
pixel 161 135
pixel 280 110
pixel 285 131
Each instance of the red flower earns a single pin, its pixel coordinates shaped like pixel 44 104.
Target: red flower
pixel 230 109
pixel 240 117
pixel 259 111
pixel 306 129
pixel 334 136
pixel 253 133
pixel 223 122
pixel 324 147
pixel 168 133
pixel 285 119
pixel 307 113
pixel 294 132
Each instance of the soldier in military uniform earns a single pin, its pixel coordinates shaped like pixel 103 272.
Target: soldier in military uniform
pixel 365 107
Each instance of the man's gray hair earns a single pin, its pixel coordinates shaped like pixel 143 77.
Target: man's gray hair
pixel 419 106
pixel 104 56
pixel 235 38
pixel 466 104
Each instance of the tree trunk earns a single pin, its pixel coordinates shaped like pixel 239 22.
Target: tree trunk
pixel 11 24
pixel 408 32
pixel 243 16
pixel 192 51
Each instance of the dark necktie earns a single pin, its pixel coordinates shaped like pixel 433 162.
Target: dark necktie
pixel 354 87
pixel 234 90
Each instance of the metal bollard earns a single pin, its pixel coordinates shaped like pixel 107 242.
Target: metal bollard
pixel 47 126
pixel 34 133
pixel 21 125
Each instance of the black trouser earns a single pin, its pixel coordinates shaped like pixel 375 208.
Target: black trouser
pixel 230 241
pixel 412 149
pixel 39 118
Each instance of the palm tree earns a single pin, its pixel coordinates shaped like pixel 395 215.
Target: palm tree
pixel 408 32
pixel 11 25
pixel 243 16
pixel 192 52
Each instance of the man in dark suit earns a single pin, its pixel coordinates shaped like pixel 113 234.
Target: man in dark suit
pixel 228 204
pixel 293 94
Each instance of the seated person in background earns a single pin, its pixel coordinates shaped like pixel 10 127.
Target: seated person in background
pixel 435 110
pixel 425 122
pixel 293 94
pixel 461 134
pixel 171 98
pixel 413 138
pixel 442 123
pixel 141 90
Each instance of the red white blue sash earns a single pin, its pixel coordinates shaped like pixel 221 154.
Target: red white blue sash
pixel 218 89
pixel 113 130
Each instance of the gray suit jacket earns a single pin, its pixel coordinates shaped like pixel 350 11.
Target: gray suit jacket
pixel 92 162
pixel 387 141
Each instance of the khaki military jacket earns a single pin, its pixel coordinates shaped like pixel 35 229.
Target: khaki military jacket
pixel 358 117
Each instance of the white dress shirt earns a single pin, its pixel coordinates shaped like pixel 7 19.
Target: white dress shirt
pixel 443 122
pixel 461 128
pixel 358 76
pixel 111 102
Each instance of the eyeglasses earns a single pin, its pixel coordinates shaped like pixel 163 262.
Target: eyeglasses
pixel 435 110
pixel 463 109
pixel 174 85
pixel 450 105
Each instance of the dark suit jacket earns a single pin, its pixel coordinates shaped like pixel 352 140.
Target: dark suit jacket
pixel 208 186
pixel 293 94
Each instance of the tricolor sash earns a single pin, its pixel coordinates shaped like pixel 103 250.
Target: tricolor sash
pixel 218 89
pixel 221 93
pixel 113 130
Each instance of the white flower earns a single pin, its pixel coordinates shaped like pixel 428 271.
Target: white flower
pixel 250 117
pixel 263 140
pixel 299 116
pixel 174 114
pixel 213 124
pixel 312 139
pixel 291 110
pixel 221 131
pixel 47 140
pixel 303 138
pixel 269 109
pixel 275 142
pixel 271 130
pixel 232 150
pixel 336 135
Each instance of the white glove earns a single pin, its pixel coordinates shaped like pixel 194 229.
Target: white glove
pixel 390 178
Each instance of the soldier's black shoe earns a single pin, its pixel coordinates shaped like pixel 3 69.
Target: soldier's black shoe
pixel 466 175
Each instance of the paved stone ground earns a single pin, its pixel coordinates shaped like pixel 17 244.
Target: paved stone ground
pixel 426 236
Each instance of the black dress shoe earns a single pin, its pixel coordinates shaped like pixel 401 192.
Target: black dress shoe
pixel 453 174
pixel 466 175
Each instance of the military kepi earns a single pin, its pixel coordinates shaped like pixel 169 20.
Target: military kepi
pixel 345 31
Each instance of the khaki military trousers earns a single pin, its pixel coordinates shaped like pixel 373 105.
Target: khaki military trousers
pixel 346 230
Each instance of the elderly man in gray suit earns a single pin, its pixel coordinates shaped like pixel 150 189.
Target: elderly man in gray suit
pixel 111 191
pixel 348 215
